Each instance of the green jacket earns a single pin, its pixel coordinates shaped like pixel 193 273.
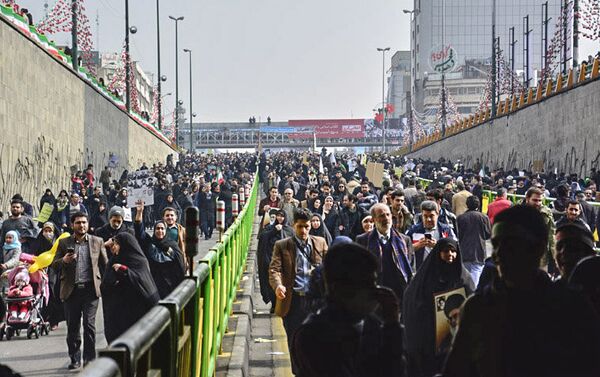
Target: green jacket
pixel 549 220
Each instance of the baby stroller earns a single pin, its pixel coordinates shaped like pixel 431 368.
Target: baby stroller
pixel 32 320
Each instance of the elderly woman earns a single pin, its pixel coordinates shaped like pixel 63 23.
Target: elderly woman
pixel 164 256
pixel 128 289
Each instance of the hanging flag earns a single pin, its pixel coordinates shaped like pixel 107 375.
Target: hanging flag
pixel 321 170
pixel 314 142
pixel 482 172
pixel 332 159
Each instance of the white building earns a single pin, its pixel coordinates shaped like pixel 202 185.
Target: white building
pixel 109 62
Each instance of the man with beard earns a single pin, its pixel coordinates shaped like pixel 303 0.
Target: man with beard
pixel 17 221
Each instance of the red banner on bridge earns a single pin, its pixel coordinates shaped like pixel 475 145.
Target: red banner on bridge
pixel 327 128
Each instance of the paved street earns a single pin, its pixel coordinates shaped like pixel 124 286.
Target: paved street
pixel 47 356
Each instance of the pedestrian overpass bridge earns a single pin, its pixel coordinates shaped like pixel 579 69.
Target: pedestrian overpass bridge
pixel 291 134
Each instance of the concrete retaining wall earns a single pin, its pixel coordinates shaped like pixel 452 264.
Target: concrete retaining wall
pixel 563 131
pixel 51 120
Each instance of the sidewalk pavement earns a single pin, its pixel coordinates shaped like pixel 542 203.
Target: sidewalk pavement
pixel 256 344
pixel 47 356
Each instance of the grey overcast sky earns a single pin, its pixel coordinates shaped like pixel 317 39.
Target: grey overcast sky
pixel 287 59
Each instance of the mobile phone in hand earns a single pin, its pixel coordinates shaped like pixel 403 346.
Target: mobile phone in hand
pixel 428 236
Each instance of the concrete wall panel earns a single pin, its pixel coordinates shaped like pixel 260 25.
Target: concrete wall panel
pixel 563 131
pixel 51 120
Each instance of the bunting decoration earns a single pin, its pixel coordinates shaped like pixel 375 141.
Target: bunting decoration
pixel 60 20
pixel 555 47
pixel 589 19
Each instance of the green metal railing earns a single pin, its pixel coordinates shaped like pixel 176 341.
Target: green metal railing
pixel 182 335
pixel 491 195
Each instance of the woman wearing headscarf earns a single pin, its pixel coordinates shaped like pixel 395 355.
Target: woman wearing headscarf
pixel 165 258
pixel 270 234
pixel 172 203
pixel 331 216
pixel 53 312
pixel 441 271
pixel 49 198
pixel 128 289
pixel 59 205
pixel 9 258
pixel 318 228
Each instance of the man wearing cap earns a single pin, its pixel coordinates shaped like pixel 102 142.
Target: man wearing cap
pixel 114 226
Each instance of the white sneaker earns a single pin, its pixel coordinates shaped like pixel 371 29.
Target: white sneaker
pixel 13 314
pixel 22 315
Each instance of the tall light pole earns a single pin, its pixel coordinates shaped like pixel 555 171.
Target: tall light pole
pixel 158 89
pixel 127 67
pixel 191 113
pixel 176 19
pixel 413 13
pixel 494 51
pixel 383 50
pixel 74 61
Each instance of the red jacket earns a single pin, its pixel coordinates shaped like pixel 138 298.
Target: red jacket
pixel 25 291
pixel 496 207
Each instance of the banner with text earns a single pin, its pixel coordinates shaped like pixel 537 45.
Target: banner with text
pixel 327 128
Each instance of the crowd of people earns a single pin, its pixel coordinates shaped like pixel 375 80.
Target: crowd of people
pixel 399 274
pixel 129 254
pixel 404 275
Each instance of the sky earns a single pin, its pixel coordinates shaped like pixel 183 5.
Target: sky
pixel 285 59
pixel 309 59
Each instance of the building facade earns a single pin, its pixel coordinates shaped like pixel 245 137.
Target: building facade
pixel 399 84
pixel 109 63
pixel 455 37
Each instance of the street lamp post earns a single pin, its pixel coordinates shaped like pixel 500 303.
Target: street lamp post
pixel 159 78
pixel 191 113
pixel 383 50
pixel 127 67
pixel 176 19
pixel 413 13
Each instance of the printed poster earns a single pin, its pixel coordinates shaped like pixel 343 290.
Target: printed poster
pixel 447 309
pixel 140 186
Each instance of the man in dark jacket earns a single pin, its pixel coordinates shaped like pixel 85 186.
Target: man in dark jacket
pixel 352 216
pixel 425 234
pixel 115 225
pixel 346 337
pixel 504 330
pixel 206 201
pixel 473 230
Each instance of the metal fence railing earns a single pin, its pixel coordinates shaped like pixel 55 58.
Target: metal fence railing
pixel 182 335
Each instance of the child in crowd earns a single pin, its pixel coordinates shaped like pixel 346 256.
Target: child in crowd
pixel 11 251
pixel 21 288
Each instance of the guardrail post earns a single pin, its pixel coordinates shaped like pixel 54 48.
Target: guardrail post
pixel 120 356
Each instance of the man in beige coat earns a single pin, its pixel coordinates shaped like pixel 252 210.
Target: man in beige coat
pixel 293 260
pixel 459 200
